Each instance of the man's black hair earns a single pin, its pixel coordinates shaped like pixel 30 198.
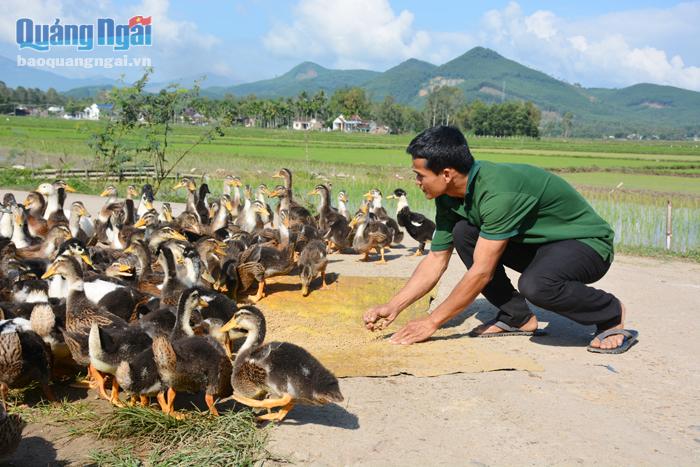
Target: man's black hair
pixel 443 147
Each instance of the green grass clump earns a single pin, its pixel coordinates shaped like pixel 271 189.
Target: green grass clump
pixel 148 437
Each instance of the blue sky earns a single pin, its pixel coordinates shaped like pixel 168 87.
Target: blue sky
pixel 595 43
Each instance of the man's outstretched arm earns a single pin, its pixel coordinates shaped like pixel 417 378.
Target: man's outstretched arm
pixel 486 256
pixel 422 281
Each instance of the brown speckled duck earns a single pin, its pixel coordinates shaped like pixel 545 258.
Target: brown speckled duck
pixel 277 374
pixel 11 426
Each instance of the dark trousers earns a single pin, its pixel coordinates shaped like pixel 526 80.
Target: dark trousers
pixel 553 276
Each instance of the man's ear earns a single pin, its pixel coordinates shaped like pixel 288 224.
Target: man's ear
pixel 448 174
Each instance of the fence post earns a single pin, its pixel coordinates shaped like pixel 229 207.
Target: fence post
pixel 669 225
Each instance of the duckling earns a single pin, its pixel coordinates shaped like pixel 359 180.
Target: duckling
pixel 75 221
pixel 147 198
pixel 55 194
pixel 164 321
pixel 6 222
pixel 419 227
pixel 376 208
pixel 232 188
pixel 343 205
pixel 222 215
pixel 192 195
pixel 139 376
pixel 35 204
pixel 24 357
pixel 333 226
pixel 11 426
pixel 166 213
pixel 203 204
pixel 109 346
pixel 277 374
pixel 54 238
pixel 80 314
pixel 191 363
pixel 370 234
pixel 20 231
pixel 297 213
pixel 312 261
pixel 276 262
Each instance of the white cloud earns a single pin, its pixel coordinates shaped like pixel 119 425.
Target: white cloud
pixel 617 49
pixel 361 33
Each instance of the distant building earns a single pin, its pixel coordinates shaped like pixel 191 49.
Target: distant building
pixel 306 124
pixel 353 124
pixel 91 113
pixel 94 111
pixel 56 110
pixel 193 117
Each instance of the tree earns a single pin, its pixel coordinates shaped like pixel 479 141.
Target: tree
pixel 350 101
pixel 142 127
pixel 442 104
pixel 390 114
pixel 567 123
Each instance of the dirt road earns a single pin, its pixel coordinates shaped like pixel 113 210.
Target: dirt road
pixel 639 408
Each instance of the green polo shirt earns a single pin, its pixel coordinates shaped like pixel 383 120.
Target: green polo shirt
pixel 522 203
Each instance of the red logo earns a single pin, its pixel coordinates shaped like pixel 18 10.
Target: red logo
pixel 136 20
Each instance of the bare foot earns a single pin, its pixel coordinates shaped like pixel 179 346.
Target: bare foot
pixel 530 325
pixel 612 342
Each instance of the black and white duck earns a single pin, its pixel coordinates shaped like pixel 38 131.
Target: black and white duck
pixel 419 227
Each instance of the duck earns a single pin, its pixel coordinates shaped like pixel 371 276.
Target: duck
pixel 35 204
pixel 374 196
pixel 297 213
pixel 6 222
pixel 146 202
pixel 203 203
pixel 276 262
pixel 313 261
pixel 166 213
pixel 11 426
pixel 419 227
pixel 24 357
pixel 20 230
pixel 109 346
pixel 370 234
pixel 80 314
pixel 333 225
pixel 77 226
pixel 55 194
pixel 343 205
pixel 277 374
pixel 192 195
pixel 231 188
pixel 191 363
pixel 54 238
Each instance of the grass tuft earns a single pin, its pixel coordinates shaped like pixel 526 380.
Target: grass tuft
pixel 148 437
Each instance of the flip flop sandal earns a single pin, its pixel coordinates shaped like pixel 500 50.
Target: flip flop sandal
pixel 508 330
pixel 630 339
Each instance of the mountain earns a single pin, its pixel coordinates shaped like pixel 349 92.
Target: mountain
pixel 307 76
pixel 29 77
pixel 485 75
pixel 403 82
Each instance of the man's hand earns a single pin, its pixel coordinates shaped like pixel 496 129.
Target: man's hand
pixel 417 330
pixel 379 317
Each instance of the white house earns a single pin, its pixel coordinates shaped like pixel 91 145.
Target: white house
pixel 306 124
pixel 354 123
pixel 92 112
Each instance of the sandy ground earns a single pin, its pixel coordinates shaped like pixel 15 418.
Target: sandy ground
pixel 639 408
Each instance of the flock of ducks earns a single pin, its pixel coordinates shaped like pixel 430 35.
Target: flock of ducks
pixel 150 303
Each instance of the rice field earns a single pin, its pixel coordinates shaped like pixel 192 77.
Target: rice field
pixel 627 182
